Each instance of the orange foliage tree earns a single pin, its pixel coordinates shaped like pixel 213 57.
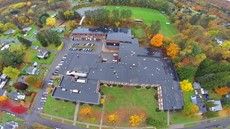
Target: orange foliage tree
pixel 136 120
pixel 87 111
pixel 223 90
pixel 172 50
pixel 3 98
pixel 157 40
pixel 33 81
pixel 197 8
pixel 113 118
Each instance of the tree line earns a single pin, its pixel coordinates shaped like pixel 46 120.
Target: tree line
pixel 107 17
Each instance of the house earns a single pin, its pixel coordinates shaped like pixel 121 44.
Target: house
pixel 3 80
pixel 196 86
pixel 10 31
pixel 197 101
pixel 58 29
pixel 218 106
pixel 33 70
pixel 42 54
pixel 27 29
pixel 16 95
pixel 10 125
pixel 3 92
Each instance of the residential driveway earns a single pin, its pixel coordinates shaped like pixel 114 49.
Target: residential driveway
pixel 34 116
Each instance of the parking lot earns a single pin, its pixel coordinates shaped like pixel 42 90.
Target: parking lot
pixel 86 46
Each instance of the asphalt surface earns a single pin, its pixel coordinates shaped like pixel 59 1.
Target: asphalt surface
pixel 218 124
pixel 34 115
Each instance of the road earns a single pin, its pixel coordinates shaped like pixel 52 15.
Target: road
pixel 223 124
pixel 34 115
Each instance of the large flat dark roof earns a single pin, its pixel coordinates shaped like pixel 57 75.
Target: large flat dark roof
pixel 137 66
pixel 88 91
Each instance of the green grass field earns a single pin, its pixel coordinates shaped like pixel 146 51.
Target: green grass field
pixel 59 108
pixel 127 101
pixel 149 15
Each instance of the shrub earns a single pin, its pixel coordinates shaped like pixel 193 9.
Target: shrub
pixel 154 122
pixel 120 86
pixel 138 87
pixel 114 85
pixel 147 87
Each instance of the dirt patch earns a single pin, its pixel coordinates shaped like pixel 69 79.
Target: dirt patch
pixel 123 116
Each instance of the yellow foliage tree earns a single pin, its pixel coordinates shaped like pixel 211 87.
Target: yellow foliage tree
pixel 22 103
pixel 87 111
pixel 157 40
pixel 223 90
pixel 136 120
pixel 51 21
pixel 3 98
pixel 102 101
pixel 49 89
pixel 172 50
pixel 113 118
pixel 68 14
pixel 186 86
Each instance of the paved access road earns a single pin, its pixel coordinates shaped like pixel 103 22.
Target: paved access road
pixel 220 124
pixel 34 115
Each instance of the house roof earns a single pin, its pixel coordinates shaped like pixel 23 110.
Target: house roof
pixel 197 101
pixel 2 92
pixel 218 106
pixel 196 85
pixel 32 70
pixel 42 53
pixel 16 96
pixel 27 29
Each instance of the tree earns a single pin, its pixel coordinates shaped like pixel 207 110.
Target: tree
pixel 186 86
pixel 51 21
pixel 210 104
pixel 33 81
pixel 9 58
pixel 49 89
pixel 20 86
pixel 155 27
pixel 186 73
pixel 41 38
pixel 11 72
pixel 155 122
pixel 25 42
pixel 157 40
pixel 136 120
pixel 113 118
pixel 190 109
pixel 102 101
pixel 3 98
pixel 86 111
pixel 172 50
pixel 222 91
pixel 68 14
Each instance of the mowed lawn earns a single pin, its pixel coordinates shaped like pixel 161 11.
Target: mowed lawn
pixel 149 15
pixel 178 117
pixel 31 56
pixel 127 101
pixel 59 108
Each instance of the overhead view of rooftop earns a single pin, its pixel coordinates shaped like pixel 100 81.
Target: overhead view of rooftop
pixel 114 64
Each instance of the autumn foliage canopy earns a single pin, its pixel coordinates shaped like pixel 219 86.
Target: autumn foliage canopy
pixel 136 120
pixel 157 40
pixel 223 90
pixel 113 118
pixel 87 111
pixel 186 86
pixel 172 50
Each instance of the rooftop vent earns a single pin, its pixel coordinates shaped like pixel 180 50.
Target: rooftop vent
pixel 63 89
